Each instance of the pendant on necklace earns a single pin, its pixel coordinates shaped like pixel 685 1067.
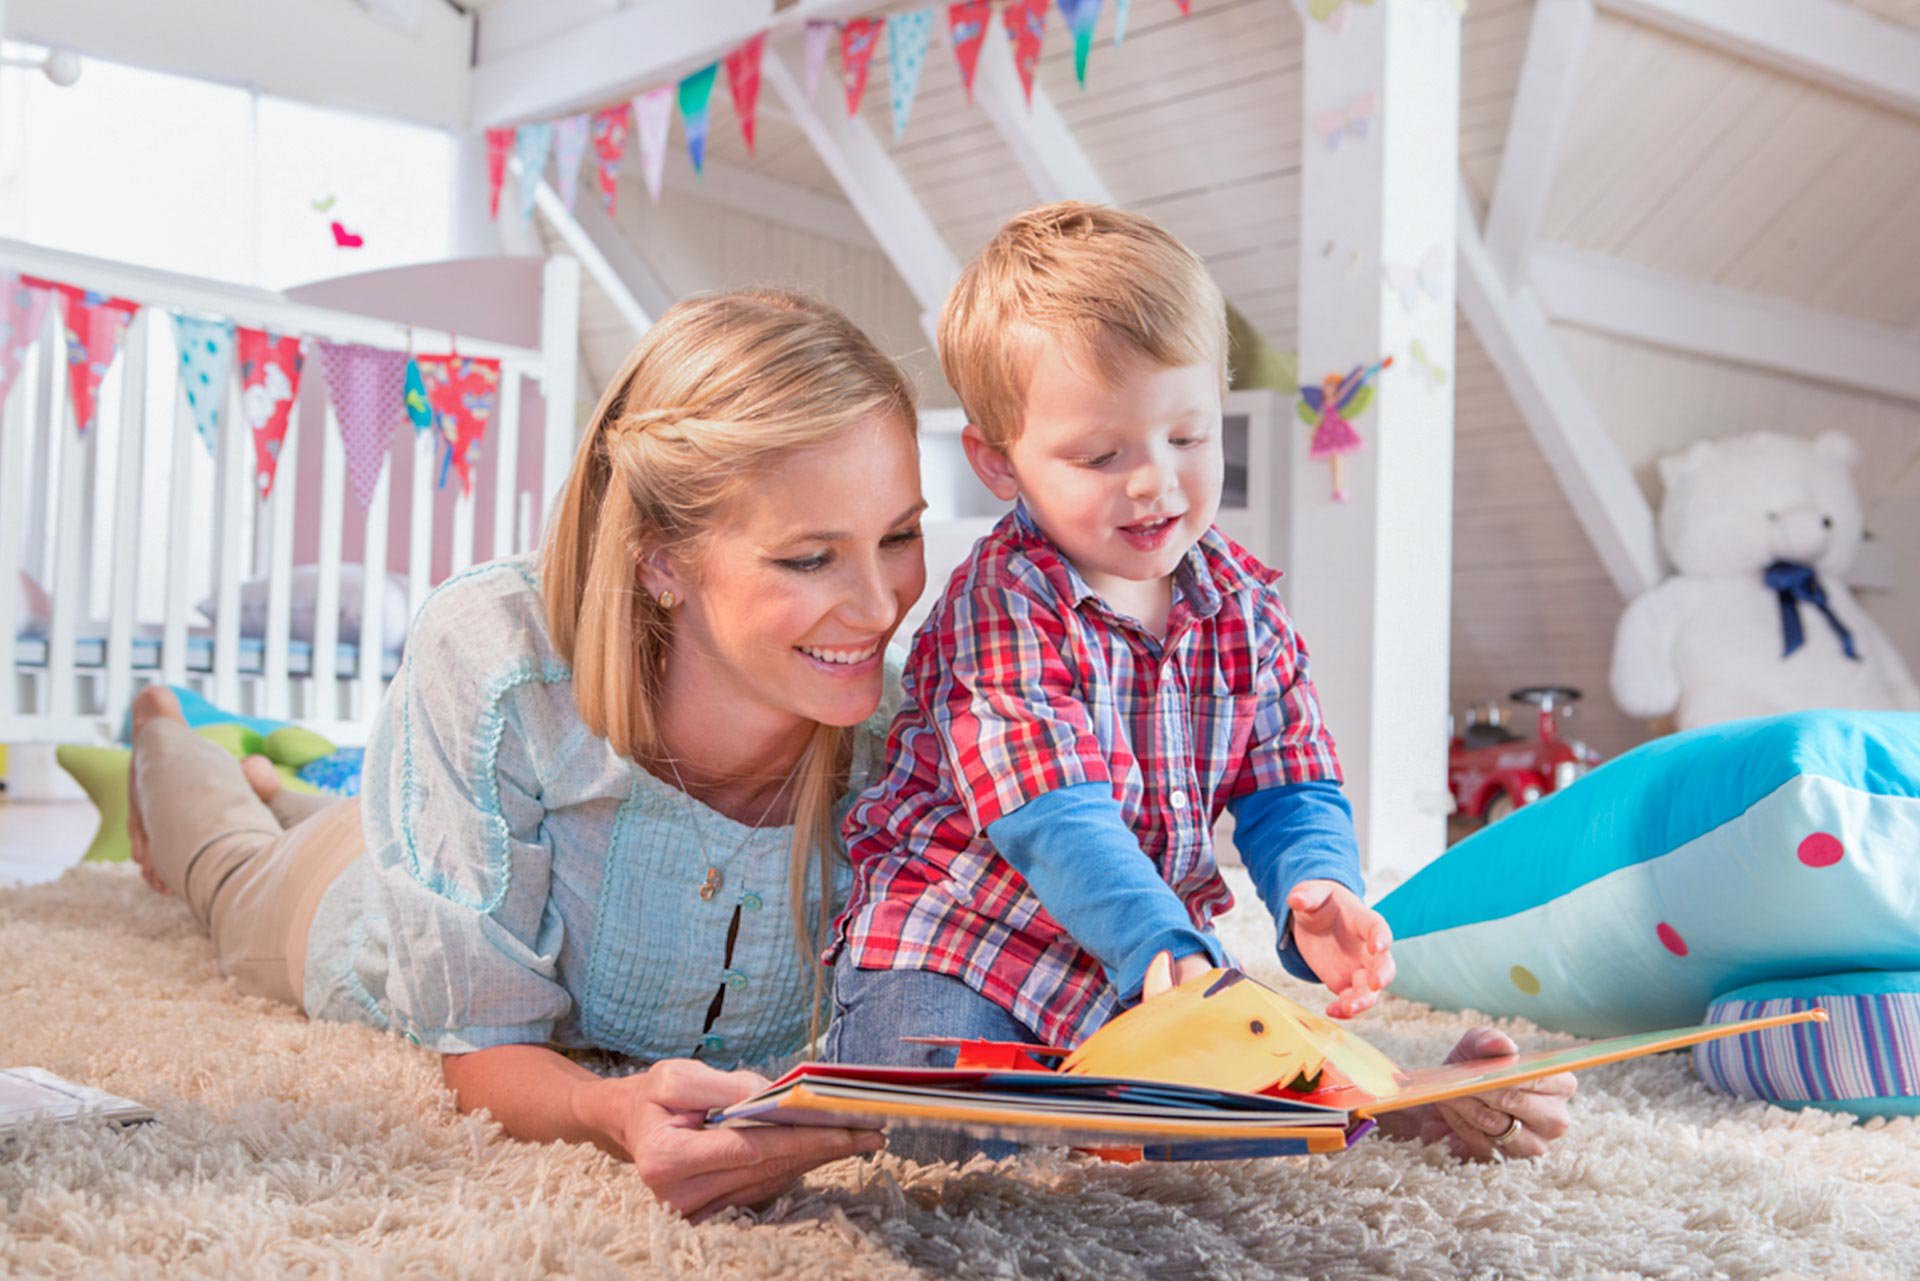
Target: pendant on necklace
pixel 711 885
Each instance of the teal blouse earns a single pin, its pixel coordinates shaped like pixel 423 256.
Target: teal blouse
pixel 524 884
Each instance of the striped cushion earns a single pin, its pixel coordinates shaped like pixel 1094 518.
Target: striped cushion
pixel 1866 1060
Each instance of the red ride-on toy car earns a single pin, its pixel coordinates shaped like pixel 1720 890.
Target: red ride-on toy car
pixel 1492 771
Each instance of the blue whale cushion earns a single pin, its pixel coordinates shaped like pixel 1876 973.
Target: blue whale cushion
pixel 1695 864
pixel 1865 1059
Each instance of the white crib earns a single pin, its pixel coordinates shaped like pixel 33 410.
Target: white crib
pixel 128 527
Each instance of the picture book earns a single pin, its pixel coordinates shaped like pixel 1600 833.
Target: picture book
pixel 30 1094
pixel 1219 1067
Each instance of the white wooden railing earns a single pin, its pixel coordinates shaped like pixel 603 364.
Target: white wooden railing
pixel 127 527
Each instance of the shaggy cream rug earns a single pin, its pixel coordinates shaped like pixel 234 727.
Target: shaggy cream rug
pixel 290 1148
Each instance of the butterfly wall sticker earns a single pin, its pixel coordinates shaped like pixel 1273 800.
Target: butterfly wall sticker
pixel 1428 276
pixel 1352 120
pixel 1429 371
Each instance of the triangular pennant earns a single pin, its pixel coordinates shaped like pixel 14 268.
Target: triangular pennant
pixel 1026 24
pixel 609 148
pixel 906 57
pixel 368 386
pixel 696 95
pixel 1185 7
pixel 532 143
pixel 858 39
pixel 419 412
pixel 652 119
pixel 270 367
pixel 499 147
pixel 206 367
pixel 22 312
pixel 1082 16
pixel 966 32
pixel 462 393
pixel 743 80
pixel 569 149
pixel 1120 8
pixel 95 324
pixel 819 40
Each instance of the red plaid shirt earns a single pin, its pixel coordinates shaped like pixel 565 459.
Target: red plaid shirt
pixel 1024 681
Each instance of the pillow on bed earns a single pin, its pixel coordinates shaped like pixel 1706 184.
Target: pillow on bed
pixel 1865 1060
pixel 303 586
pixel 1692 865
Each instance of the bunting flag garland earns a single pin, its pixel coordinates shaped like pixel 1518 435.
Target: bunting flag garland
pixel 25 307
pixel 532 143
pixel 499 145
pixel 1185 7
pixel 819 40
pixel 743 81
pixel 696 95
pixel 462 393
pixel 1026 23
pixel 269 379
pixel 966 32
pixel 206 366
pixel 95 323
pixel 1120 8
pixel 906 57
pixel 1082 16
pixel 368 389
pixel 609 147
pixel 419 412
pixel 652 119
pixel 858 39
pixel 569 149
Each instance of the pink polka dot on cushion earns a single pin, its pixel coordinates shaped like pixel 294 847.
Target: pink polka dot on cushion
pixel 1670 939
pixel 1821 850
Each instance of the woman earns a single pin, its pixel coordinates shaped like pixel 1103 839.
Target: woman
pixel 601 804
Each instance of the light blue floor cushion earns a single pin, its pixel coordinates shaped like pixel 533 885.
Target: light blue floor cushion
pixel 1695 864
pixel 1865 1059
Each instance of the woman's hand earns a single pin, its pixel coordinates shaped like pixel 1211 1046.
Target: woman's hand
pixel 658 1118
pixel 1481 1125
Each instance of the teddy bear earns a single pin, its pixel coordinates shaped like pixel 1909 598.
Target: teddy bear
pixel 1757 618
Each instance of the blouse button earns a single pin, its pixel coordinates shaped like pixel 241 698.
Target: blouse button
pixel 735 980
pixel 1178 800
pixel 752 902
pixel 713 1044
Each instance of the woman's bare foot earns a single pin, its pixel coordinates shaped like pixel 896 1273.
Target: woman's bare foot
pixel 263 778
pixel 153 702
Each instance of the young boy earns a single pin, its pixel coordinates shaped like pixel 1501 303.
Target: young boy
pixel 1101 678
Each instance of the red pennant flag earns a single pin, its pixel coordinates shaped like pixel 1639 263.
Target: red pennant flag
pixel 462 393
pixel 1026 23
pixel 95 324
pixel 858 40
pixel 21 312
pixel 270 367
pixel 609 147
pixel 743 78
pixel 966 32
pixel 1185 7
pixel 499 147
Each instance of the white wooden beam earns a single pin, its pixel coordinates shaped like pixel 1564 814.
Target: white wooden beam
pixel 1041 141
pixel 604 251
pixel 1370 578
pixel 774 199
pixel 638 46
pixel 1520 341
pixel 1613 296
pixel 1831 42
pixel 877 190
pixel 1542 105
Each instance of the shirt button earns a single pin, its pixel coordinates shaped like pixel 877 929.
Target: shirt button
pixel 735 980
pixel 1178 800
pixel 752 902
pixel 713 1044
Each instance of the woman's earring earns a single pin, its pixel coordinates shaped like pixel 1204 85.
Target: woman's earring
pixel 667 600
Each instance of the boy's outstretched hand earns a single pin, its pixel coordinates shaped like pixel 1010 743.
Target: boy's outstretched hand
pixel 1346 942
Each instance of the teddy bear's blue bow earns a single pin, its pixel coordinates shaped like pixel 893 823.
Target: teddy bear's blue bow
pixel 1794 582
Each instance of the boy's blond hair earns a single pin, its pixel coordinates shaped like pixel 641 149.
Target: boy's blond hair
pixel 1113 285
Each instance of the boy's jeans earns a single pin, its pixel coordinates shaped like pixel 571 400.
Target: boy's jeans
pixel 873 1009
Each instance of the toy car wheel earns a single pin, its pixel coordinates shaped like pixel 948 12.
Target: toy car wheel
pixel 1499 807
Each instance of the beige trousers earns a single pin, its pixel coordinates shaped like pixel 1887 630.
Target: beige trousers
pixel 252 875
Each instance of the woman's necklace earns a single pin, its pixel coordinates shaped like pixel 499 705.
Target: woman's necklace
pixel 711 886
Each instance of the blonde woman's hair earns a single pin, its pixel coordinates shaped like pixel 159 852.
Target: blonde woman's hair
pixel 1112 284
pixel 715 395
